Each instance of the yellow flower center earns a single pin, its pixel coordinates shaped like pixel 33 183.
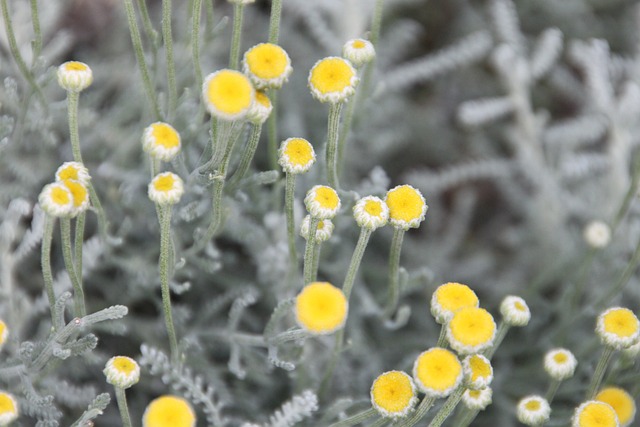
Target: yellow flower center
pixel 472 326
pixel 320 225
pixel 475 393
pixel 331 75
pixel 124 365
pixel 392 391
pixel 229 92
pixel 299 152
pixel 405 204
pixel 373 207
pixel 3 328
pixel 519 306
pixel 479 368
pixel 560 357
pixel 454 296
pixel 59 196
pixel 532 405
pixel 438 369
pixel 69 172
pixel 621 322
pixel 263 99
pixel 164 183
pixel 597 414
pixel 165 135
pixel 321 307
pixel 620 401
pixel 78 191
pixel 169 411
pixel 267 61
pixel 75 66
pixel 6 404
pixel 358 44
pixel 327 197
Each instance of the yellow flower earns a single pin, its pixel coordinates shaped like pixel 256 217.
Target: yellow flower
pixel 261 109
pixel 74 76
pixel 594 414
pixel 323 232
pixel 449 298
pixel 618 328
pixel 169 411
pixel 478 371
pixel 8 408
pixel 358 52
pixel 515 311
pixel 371 212
pixel 471 330
pixel 75 171
pixel 4 333
pixel 533 410
pixel 560 364
pixel 477 400
pixel 267 65
pixel 322 202
pixel 228 94
pixel 437 372
pixel 333 80
pixel 166 189
pixel 407 207
pixel 321 308
pixel 621 402
pixel 56 200
pixel 296 155
pixel 122 371
pixel 393 394
pixel 161 141
pixel 80 196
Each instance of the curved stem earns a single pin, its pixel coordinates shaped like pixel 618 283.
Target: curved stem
pixel 290 187
pixel 72 109
pixel 247 157
pixel 78 292
pixel 47 274
pixel 554 385
pixel 37 31
pixel 309 251
pixel 394 266
pixel 447 408
pixel 102 218
pixel 442 338
pixel 274 21
pixel 332 143
pixel 355 419
pixel 195 41
pixel 598 374
pixel 356 259
pixel 234 56
pixel 78 240
pixel 171 66
pixel 164 212
pixel 121 397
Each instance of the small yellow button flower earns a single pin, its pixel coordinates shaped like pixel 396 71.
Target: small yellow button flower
pixel 594 414
pixel 621 402
pixel 560 364
pixel 322 202
pixel 333 80
pixel 8 408
pixel 166 189
pixel 478 371
pixel 515 311
pixel 358 52
pixel 471 330
pixel 122 371
pixel 4 333
pixel 321 308
pixel 228 94
pixel 437 372
pixel 533 410
pixel 75 171
pixel 449 298
pixel 618 328
pixel 169 411
pixel 371 212
pixel 80 195
pixel 56 200
pixel 296 155
pixel 477 400
pixel 74 76
pixel 393 394
pixel 161 141
pixel 261 109
pixel 407 207
pixel 323 232
pixel 267 65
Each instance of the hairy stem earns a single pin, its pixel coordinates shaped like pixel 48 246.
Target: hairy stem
pixel 356 259
pixel 195 41
pixel 309 251
pixel 236 36
pixel 355 419
pixel 421 411
pixel 78 292
pixel 290 187
pixel 164 213
pixel 598 374
pixel 171 66
pixel 394 266
pixel 247 156
pixel 272 132
pixel 37 32
pixel 121 397
pixel 448 407
pixel 78 240
pixel 72 110
pixel 47 274
pixel 503 328
pixel 274 22
pixel 332 143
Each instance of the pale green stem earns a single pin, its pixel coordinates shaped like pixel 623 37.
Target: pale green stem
pixel 622 280
pixel 47 274
pixel 165 246
pixel 139 52
pixel 328 375
pixel 316 261
pixel 247 156
pixel 210 16
pixel 448 407
pixel 394 267
pixel 272 132
pixel 503 328
pixel 346 128
pixel 171 66
pixel 289 194
pixel 554 385
pixel 442 338
pixel 598 374
pixel 234 56
pixel 78 292
pixel 102 218
pixel 309 251
pixel 274 22
pixel 380 422
pixel 72 110
pixel 356 259
pixel 154 165
pixel 78 240
pixel 467 417
pixel 37 31
pixel 332 143
pixel 286 336
pixel 195 41
pixel 421 411
pixel 376 22
pixel 152 34
pixel 214 131
pixel 121 397
pixel 355 419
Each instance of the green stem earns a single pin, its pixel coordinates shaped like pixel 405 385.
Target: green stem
pixel 356 259
pixel 344 132
pixel 380 422
pixel 78 240
pixel 165 246
pixel 332 143
pixel 272 132
pixel 37 31
pixel 423 408
pixel 47 274
pixel 102 218
pixel 309 251
pixel 376 22
pixel 78 292
pixel 210 16
pixel 355 419
pixel 503 328
pixel 234 56
pixel 247 156
pixel 171 66
pixel 554 385
pixel 623 279
pixel 448 407
pixel 598 374
pixel 328 375
pixel 316 261
pixel 152 34
pixel 195 41
pixel 467 417
pixel 274 22
pixel 290 186
pixel 442 338
pixel 121 397
pixel 72 109
pixel 136 40
pixel 394 267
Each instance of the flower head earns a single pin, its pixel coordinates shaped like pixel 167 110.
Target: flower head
pixel 261 109
pixel 321 308
pixel 4 333
pixel 56 200
pixel 333 80
pixel 74 76
pixel 267 65
pixel 471 330
pixel 449 298
pixel 618 327
pixel 169 411
pixel 560 364
pixel 478 371
pixel 323 232
pixel 477 400
pixel 371 212
pixel 597 234
pixel 296 155
pixel 166 189
pixel 594 414
pixel 515 311
pixel 122 371
pixel 8 408
pixel 322 202
pixel 621 402
pixel 161 141
pixel 533 410
pixel 75 171
pixel 437 372
pixel 358 52
pixel 80 195
pixel 393 394
pixel 228 94
pixel 407 207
